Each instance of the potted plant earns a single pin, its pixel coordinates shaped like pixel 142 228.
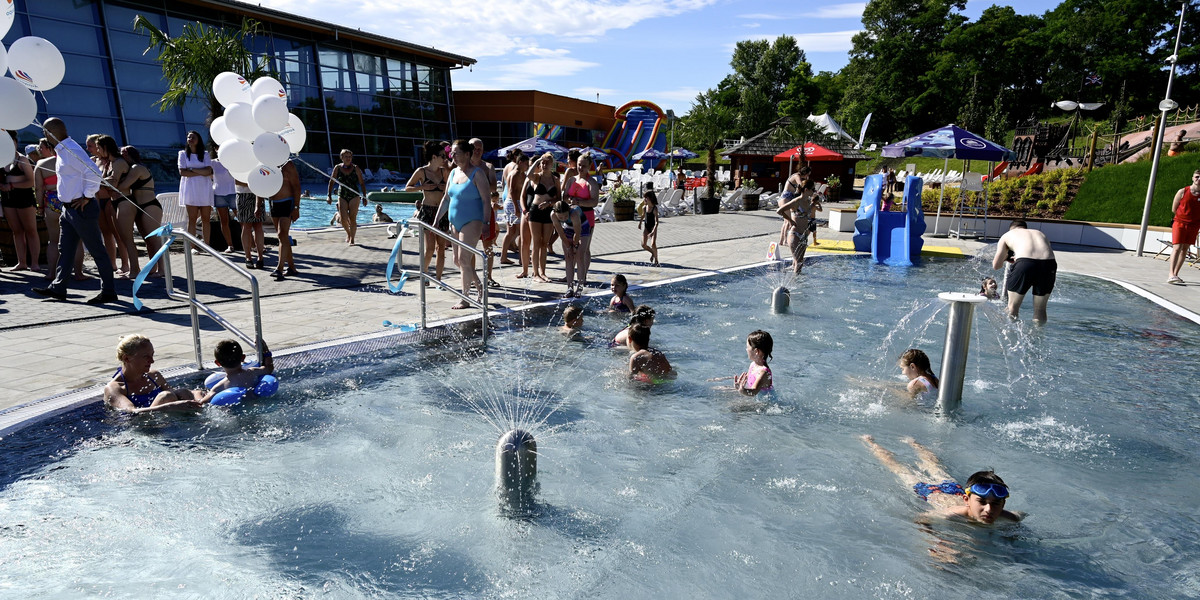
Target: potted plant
pixel 834 193
pixel 623 201
pixel 707 205
pixel 750 200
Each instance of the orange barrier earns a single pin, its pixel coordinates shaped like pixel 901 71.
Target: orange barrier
pixel 999 170
pixel 1034 170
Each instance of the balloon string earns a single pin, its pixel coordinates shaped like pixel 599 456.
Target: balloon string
pixel 329 177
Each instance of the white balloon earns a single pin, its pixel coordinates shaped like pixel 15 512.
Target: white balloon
pixel 238 155
pixel 239 119
pixel 229 87
pixel 294 133
pixel 3 57
pixel 7 15
pixel 270 149
pixel 18 107
pixel 219 133
pixel 240 176
pixel 36 62
pixel 8 150
pixel 268 86
pixel 265 181
pixel 271 113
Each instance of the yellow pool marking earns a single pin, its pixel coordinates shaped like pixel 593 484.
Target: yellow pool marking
pixel 847 247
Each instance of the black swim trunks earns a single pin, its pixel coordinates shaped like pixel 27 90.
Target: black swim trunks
pixel 281 209
pixel 1038 274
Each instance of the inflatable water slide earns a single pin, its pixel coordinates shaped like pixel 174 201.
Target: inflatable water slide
pixel 640 125
pixel 892 238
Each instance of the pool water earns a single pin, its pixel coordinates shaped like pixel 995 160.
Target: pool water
pixel 315 213
pixel 373 477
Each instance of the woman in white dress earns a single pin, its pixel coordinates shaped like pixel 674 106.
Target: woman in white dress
pixel 196 184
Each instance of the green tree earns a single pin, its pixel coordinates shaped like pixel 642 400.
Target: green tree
pixel 770 76
pixel 193 59
pixel 900 42
pixel 830 89
pixel 707 125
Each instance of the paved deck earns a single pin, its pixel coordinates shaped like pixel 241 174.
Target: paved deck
pixel 49 347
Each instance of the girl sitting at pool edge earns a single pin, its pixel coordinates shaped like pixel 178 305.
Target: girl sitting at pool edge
pixel 137 388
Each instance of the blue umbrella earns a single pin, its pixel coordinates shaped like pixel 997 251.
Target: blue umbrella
pixel 597 154
pixel 948 142
pixel 683 153
pixel 534 146
pixel 650 154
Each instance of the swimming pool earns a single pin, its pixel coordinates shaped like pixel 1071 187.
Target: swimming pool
pixel 373 476
pixel 315 213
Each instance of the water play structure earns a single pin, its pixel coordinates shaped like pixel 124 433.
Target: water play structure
pixel 892 238
pixel 639 127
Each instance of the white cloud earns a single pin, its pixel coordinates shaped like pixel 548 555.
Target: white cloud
pixel 764 17
pixel 481 28
pixel 852 10
pixel 753 25
pixel 829 41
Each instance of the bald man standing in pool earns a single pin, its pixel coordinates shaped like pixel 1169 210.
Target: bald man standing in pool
pixel 1033 266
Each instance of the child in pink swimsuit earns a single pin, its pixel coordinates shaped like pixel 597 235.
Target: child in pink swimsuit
pixel 757 377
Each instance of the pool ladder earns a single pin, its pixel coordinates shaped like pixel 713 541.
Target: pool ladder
pixel 190 241
pixel 480 255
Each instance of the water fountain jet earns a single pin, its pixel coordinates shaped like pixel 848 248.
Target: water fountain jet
pixel 516 469
pixel 958 343
pixel 781 299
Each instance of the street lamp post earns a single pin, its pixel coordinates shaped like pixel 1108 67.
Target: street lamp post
pixel 1165 106
pixel 671 146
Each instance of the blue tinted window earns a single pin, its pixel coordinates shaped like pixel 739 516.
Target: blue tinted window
pixel 291 49
pixel 354 143
pixel 158 134
pixel 344 122
pixel 294 73
pixel 314 120
pixel 303 97
pixel 196 111
pixel 141 105
pixel 336 79
pixel 80 11
pixel 69 37
pixel 88 70
pixel 131 46
pixel 140 76
pixel 380 145
pixel 120 18
pixel 81 127
pixel 80 100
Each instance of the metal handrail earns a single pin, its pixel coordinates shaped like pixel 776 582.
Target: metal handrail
pixel 481 304
pixel 188 241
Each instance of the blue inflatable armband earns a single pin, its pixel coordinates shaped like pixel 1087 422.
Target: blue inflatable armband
pixel 267 385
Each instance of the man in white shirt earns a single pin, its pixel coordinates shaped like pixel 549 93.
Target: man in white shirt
pixel 78 182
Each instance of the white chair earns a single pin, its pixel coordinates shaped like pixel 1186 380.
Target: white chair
pixel 733 202
pixel 605 213
pixel 173 211
pixel 871 148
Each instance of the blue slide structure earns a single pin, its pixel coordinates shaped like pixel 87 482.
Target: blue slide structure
pixel 893 238
pixel 638 126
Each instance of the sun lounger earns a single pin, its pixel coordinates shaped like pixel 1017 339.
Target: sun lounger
pixel 173 212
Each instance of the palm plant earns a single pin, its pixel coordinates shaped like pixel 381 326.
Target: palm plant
pixel 193 59
pixel 706 126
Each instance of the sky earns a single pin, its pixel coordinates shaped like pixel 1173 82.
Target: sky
pixel 613 51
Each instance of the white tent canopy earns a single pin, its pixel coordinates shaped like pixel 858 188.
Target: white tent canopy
pixel 826 122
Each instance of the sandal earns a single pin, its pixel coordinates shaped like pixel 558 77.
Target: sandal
pixel 1175 280
pixel 493 283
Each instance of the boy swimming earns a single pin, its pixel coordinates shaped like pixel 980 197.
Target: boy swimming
pixel 645 363
pixel 980 502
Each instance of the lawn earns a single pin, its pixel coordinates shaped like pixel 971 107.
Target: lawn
pixel 1117 193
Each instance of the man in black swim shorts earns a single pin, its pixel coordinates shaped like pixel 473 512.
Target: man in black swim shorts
pixel 1033 267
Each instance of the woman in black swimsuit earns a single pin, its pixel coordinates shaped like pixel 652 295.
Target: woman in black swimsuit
pixel 20 208
pixel 431 182
pixel 114 168
pixel 138 185
pixel 540 193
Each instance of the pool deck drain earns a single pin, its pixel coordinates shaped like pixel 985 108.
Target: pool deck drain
pixel 55 350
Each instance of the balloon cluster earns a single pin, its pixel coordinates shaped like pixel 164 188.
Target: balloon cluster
pixel 36 65
pixel 256 134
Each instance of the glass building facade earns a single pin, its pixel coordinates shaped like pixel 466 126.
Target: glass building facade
pixel 377 97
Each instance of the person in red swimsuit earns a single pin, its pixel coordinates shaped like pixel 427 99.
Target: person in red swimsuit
pixel 1185 226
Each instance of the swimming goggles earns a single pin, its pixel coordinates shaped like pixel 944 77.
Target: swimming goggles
pixel 988 489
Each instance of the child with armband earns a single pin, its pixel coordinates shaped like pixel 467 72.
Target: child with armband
pixel 229 356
